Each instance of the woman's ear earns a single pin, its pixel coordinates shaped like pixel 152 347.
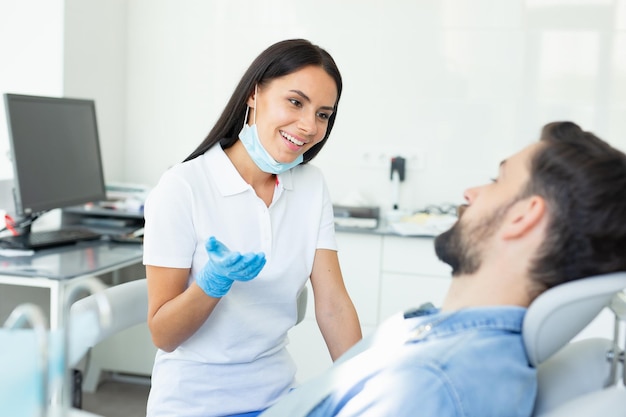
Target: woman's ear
pixel 251 102
pixel 523 217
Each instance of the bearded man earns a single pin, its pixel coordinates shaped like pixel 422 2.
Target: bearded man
pixel 555 213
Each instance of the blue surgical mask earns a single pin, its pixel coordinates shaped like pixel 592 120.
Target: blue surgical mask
pixel 250 139
pixel 249 136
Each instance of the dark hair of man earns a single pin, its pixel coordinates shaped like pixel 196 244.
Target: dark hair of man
pixel 280 59
pixel 583 180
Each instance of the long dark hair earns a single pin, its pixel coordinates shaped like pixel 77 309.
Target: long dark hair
pixel 583 180
pixel 278 60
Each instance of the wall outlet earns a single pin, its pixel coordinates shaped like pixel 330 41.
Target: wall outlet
pixel 380 158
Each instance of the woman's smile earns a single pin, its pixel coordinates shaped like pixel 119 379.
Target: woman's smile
pixel 292 142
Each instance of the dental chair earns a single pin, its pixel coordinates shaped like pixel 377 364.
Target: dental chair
pixel 591 373
pixel 128 306
pixel 567 370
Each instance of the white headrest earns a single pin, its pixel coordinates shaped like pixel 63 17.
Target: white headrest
pixel 561 312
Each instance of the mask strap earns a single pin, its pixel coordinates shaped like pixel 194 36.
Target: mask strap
pixel 245 118
pixel 255 92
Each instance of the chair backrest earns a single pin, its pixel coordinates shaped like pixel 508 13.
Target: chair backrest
pixel 560 313
pixel 567 370
pixel 579 368
pixel 128 306
pixel 605 395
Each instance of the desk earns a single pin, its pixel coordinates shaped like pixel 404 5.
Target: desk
pixel 59 268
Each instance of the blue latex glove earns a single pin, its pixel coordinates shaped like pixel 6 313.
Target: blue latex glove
pixel 225 266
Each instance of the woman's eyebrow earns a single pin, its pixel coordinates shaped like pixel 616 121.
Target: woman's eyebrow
pixel 307 99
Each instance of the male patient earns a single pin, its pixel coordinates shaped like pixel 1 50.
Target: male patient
pixel 555 213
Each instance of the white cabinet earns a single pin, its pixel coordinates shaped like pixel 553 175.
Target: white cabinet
pixel 411 275
pixel 383 274
pixel 413 256
pixel 360 260
pixel 359 257
pixel 401 292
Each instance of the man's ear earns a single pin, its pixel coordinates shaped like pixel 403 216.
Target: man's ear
pixel 523 217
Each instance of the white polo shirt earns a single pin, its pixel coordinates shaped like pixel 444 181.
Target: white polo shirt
pixel 237 361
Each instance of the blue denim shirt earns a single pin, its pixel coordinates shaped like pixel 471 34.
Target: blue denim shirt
pixel 471 363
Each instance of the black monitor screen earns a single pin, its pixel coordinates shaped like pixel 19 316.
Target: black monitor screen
pixel 56 152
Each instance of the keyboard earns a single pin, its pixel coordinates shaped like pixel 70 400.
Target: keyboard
pixel 48 239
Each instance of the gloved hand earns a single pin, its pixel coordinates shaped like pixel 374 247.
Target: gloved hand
pixel 224 267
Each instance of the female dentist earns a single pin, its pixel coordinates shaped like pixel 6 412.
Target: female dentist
pixel 232 235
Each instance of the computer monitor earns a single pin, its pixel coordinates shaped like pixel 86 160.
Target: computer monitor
pixel 55 152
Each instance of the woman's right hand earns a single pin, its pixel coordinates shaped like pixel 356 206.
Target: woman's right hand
pixel 225 266
pixel 175 310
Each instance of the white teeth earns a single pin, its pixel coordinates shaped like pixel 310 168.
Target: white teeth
pixel 291 139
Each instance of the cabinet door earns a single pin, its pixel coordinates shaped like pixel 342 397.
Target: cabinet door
pixel 412 255
pixel 412 275
pixel 359 257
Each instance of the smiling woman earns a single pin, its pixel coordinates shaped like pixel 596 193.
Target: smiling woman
pixel 294 111
pixel 232 235
pixel 292 122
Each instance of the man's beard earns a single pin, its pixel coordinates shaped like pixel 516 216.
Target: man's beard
pixel 462 246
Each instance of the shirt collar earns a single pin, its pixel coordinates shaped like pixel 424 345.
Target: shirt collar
pixel 226 176
pixel 228 179
pixel 445 323
pixel 286 178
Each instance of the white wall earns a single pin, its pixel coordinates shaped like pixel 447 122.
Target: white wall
pixel 95 67
pixel 31 51
pixel 72 48
pixel 466 82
